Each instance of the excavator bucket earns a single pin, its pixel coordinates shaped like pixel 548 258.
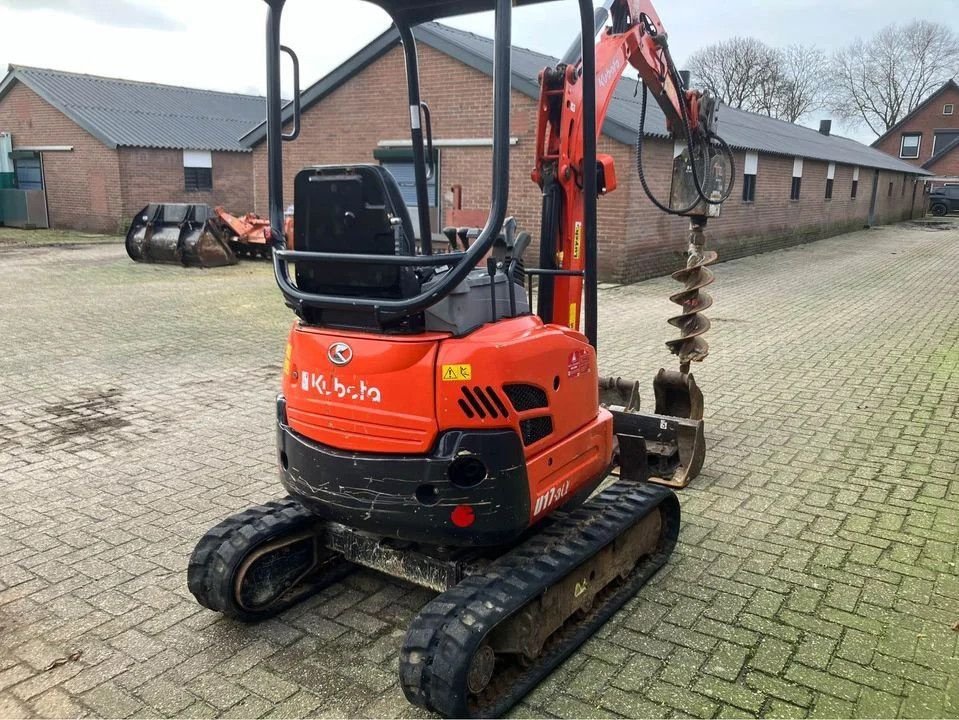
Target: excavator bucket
pixel 667 446
pixel 178 233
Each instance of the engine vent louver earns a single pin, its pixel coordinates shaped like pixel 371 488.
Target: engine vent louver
pixel 482 402
pixel 536 428
pixel 526 397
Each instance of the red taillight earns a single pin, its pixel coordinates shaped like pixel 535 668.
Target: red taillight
pixel 463 516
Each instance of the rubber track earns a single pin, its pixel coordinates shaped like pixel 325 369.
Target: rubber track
pixel 221 550
pixel 442 639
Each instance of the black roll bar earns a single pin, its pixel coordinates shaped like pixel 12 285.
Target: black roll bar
pixel 274 122
pixel 416 136
pixel 388 308
pixel 587 30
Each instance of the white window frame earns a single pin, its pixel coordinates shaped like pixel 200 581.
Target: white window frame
pixel 935 140
pixel 951 107
pixel 751 164
pixel 902 145
pixel 198 159
pixel 797 167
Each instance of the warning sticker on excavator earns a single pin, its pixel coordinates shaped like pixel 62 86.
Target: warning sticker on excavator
pixel 457 373
pixel 287 359
pixel 578 364
pixel 577 240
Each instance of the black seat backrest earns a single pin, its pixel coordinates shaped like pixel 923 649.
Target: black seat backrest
pixel 352 209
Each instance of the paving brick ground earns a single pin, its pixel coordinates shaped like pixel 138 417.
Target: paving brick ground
pixel 816 574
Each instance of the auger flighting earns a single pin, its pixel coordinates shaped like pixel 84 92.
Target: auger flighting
pixel 692 324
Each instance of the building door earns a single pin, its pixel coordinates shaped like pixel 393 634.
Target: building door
pixel 872 200
pixel 399 162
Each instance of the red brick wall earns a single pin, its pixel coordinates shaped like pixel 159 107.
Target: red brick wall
pixel 346 126
pixel 925 121
pixel 947 166
pixel 656 242
pixel 635 239
pixel 82 185
pixel 150 175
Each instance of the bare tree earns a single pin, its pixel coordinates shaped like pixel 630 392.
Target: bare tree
pixel 881 80
pixel 803 72
pixel 733 69
pixel 745 73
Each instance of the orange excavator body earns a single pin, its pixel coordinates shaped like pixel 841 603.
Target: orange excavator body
pixel 399 394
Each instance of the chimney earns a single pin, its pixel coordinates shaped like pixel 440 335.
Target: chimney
pixel 825 126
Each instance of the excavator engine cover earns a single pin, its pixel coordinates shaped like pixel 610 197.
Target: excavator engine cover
pixel 178 233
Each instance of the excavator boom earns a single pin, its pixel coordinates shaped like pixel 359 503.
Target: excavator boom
pixel 636 38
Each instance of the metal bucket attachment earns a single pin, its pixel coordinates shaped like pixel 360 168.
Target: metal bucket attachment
pixel 178 233
pixel 666 447
pixel 659 448
pixel 677 395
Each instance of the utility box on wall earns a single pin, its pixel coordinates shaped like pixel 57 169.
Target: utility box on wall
pixel 23 208
pixel 6 162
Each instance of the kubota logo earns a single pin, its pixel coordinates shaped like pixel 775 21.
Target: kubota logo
pixel 340 353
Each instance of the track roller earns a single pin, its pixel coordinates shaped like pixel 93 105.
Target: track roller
pixel 480 647
pixel 261 561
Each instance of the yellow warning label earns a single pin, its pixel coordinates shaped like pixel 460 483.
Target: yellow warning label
pixel 572 316
pixel 457 373
pixel 287 358
pixel 577 240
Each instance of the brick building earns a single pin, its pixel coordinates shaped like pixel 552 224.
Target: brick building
pixel 357 113
pixel 928 137
pixel 100 149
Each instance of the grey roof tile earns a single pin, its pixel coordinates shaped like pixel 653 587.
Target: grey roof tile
pixel 125 113
pixel 742 130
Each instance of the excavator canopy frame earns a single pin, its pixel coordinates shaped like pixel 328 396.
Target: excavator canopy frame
pixel 405 15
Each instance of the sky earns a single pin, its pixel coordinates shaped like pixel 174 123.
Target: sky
pixel 218 44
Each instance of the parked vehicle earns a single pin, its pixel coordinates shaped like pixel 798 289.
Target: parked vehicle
pixel 944 200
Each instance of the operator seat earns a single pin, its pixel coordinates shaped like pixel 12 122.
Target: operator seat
pixel 352 209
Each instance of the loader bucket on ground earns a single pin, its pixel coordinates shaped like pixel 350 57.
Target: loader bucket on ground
pixel 178 233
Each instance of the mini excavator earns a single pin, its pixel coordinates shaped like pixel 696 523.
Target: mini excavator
pixel 431 425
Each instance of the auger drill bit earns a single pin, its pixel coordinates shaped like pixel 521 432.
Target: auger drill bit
pixel 692 324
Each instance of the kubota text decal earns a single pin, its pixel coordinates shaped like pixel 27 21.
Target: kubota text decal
pixel 334 387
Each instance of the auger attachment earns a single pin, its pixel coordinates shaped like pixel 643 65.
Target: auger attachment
pixel 692 324
pixel 668 446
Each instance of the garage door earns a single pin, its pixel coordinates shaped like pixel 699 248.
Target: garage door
pixel 406 179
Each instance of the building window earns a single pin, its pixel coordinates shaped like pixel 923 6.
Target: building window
pixel 855 183
pixel 197 170
pixel 902 191
pixel 28 170
pixel 889 194
pixel 910 146
pixel 942 139
pixel 797 179
pixel 830 179
pixel 948 109
pixel 749 176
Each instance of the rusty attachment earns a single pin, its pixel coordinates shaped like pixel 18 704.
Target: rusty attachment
pixel 667 446
pixel 691 346
pixel 619 391
pixel 178 233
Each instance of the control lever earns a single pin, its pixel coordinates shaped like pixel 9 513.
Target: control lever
pixel 491 269
pixel 450 233
pixel 520 245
